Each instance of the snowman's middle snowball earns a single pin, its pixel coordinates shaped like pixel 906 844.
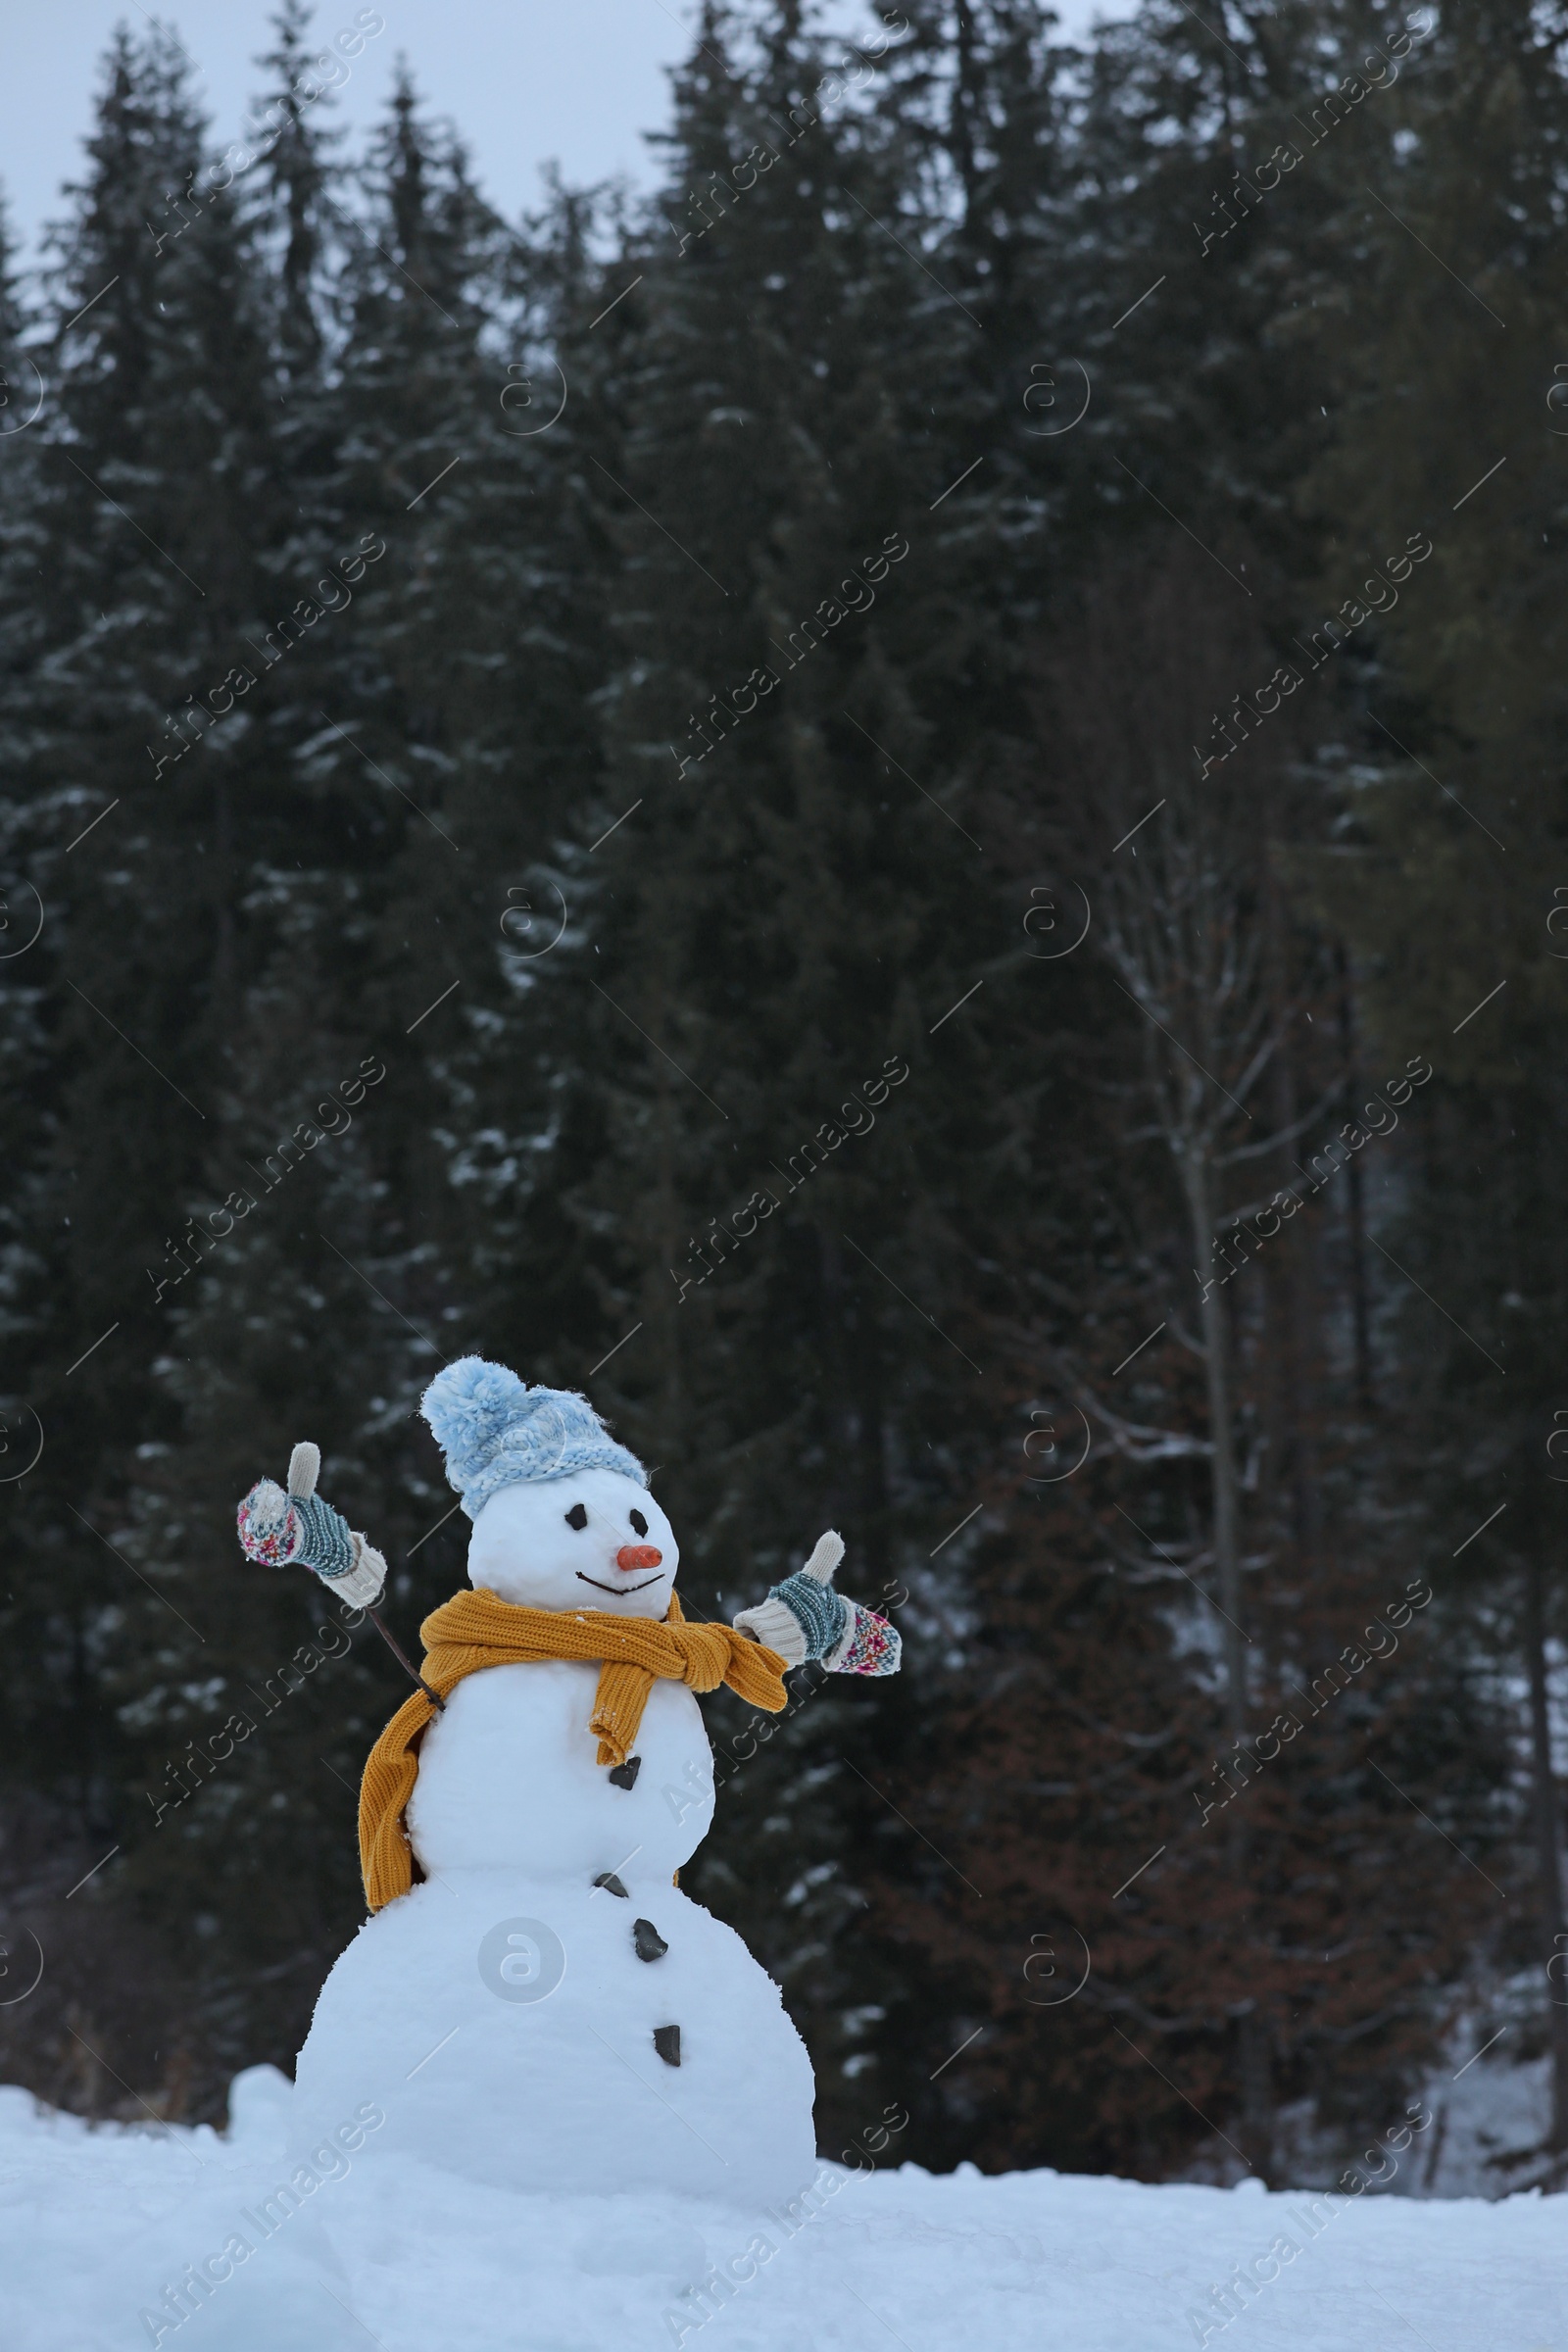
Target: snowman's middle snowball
pixel 476 1636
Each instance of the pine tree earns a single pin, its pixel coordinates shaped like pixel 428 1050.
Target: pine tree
pixel 147 492
pixel 1459 722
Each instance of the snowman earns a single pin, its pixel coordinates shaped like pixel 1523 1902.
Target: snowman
pixel 533 2002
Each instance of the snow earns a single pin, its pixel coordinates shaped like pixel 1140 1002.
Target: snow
pixel 95 2222
pixel 504 2027
pixel 485 2143
pixel 1491 2122
pixel 524 1547
pixel 508 1779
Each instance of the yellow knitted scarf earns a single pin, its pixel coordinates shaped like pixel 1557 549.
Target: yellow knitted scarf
pixel 478 1629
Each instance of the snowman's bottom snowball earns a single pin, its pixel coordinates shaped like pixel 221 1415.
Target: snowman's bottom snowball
pixel 505 2027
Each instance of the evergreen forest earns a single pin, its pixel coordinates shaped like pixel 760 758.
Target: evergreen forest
pixel 1062 1093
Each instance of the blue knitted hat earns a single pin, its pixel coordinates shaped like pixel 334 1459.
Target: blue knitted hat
pixel 496 1432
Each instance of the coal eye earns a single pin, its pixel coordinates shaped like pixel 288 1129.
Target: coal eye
pixel 578 1517
pixel 639 1523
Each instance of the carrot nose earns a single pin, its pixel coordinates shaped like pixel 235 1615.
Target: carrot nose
pixel 638 1556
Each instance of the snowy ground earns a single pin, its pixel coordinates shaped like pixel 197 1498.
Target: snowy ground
pixel 1487 2135
pixel 1490 2119
pixel 94 2224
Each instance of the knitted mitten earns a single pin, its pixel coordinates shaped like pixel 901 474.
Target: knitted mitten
pixel 805 1618
pixel 278 1529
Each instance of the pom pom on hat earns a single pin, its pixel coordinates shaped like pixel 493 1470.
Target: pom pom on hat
pixel 496 1432
pixel 470 1407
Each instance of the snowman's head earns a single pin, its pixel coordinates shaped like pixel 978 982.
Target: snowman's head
pixel 596 1539
pixel 562 1514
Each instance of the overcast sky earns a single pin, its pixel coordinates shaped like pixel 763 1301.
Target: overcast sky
pixel 524 80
